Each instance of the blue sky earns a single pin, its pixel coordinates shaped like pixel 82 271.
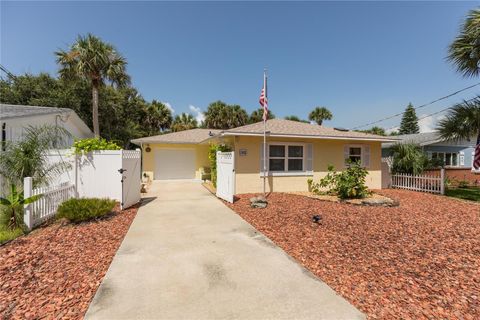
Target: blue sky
pixel 362 60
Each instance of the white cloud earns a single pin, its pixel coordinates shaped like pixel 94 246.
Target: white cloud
pixel 169 106
pixel 430 123
pixel 197 112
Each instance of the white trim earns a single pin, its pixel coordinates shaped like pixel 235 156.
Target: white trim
pixel 286 157
pixel 362 155
pixel 287 174
pixel 308 136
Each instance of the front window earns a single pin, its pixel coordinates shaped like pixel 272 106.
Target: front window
pixel 355 154
pixel 286 158
pixel 447 158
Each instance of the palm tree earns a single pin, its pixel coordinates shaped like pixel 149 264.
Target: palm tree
pixel 461 122
pixel 257 115
pixel 28 157
pixel 319 114
pixel 464 52
pixel 158 118
pixel 185 121
pixel 95 61
pixel 219 115
pixel 408 158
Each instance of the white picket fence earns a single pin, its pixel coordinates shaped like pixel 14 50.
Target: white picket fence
pixel 424 183
pixel 46 207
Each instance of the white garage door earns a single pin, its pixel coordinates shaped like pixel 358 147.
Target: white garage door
pixel 174 164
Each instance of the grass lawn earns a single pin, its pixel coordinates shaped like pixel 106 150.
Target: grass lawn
pixel 6 234
pixel 472 193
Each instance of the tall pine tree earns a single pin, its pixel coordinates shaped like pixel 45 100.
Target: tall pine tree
pixel 409 122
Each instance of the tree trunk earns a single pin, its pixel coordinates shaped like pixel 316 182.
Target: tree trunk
pixel 96 126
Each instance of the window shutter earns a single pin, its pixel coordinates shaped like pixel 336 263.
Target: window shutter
pixel 461 158
pixel 366 156
pixel 346 154
pixel 262 157
pixel 309 158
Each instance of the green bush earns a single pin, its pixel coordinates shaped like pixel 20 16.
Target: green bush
pixel 94 144
pixel 348 184
pixel 212 156
pixel 83 209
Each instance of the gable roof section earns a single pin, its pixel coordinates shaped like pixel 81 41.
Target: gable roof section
pixel 11 111
pixel 288 128
pixel 193 136
pixel 428 138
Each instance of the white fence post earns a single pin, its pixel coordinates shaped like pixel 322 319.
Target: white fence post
pixel 27 193
pixel 442 181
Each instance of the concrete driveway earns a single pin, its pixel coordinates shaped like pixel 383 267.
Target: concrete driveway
pixel 188 256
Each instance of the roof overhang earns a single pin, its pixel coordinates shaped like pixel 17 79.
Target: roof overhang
pixel 302 136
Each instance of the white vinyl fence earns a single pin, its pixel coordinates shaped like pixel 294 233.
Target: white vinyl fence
pixel 424 183
pixel 226 175
pixel 113 174
pixel 45 207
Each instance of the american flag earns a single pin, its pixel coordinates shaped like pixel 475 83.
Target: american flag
pixel 264 100
pixel 476 157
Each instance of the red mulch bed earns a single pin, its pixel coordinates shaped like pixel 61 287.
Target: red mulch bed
pixel 55 271
pixel 420 260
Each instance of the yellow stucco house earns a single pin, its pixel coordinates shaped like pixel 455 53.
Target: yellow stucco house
pixel 296 151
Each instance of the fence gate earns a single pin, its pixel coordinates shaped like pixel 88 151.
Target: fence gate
pixel 131 178
pixel 225 175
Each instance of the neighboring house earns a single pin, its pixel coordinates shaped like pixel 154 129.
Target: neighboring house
pixel 15 118
pixel 296 151
pixel 454 154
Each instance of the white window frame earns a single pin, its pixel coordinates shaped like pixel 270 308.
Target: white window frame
pixel 303 172
pixel 444 153
pixel 362 155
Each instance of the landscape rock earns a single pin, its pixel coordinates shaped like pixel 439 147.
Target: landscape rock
pixel 258 202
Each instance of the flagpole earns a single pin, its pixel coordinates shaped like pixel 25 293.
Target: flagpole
pixel 265 134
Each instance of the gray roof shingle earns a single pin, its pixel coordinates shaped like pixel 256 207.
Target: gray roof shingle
pixel 283 127
pixel 192 136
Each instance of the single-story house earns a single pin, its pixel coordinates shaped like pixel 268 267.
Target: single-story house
pixel 296 151
pixel 15 118
pixel 454 154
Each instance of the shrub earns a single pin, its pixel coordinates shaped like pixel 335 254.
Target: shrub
pixel 212 156
pixel 93 144
pixel 83 209
pixel 348 184
pixel 409 158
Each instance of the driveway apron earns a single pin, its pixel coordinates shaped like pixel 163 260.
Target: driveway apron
pixel 188 256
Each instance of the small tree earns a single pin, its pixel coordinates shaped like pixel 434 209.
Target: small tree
pixel 347 184
pixel 12 213
pixel 29 156
pixel 409 122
